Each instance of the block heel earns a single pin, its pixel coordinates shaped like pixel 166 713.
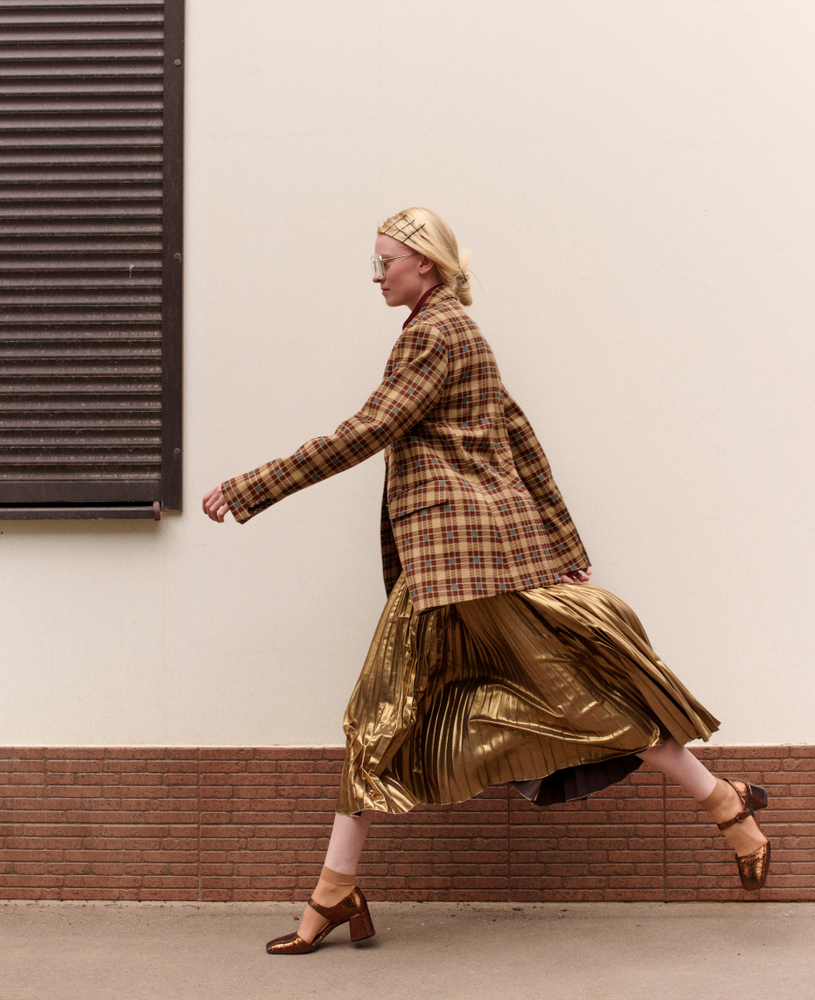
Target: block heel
pixel 361 926
pixel 758 796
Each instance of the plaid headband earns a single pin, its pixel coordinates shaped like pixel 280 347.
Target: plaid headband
pixel 404 229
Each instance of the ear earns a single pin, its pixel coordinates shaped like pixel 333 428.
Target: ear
pixel 426 265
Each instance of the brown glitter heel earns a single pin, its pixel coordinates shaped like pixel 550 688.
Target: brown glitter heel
pixel 754 867
pixel 352 910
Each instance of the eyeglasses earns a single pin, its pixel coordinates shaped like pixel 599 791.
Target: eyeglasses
pixel 378 263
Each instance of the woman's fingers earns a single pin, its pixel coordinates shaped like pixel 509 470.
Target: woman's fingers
pixel 214 505
pixel 208 499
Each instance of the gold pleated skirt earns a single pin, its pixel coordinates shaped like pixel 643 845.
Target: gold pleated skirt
pixel 558 684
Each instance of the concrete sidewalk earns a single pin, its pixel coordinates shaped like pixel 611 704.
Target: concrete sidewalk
pixel 459 951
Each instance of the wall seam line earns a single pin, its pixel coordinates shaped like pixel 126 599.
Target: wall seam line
pixel 664 841
pixel 509 849
pixel 198 815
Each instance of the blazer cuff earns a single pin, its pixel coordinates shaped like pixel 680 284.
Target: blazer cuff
pixel 237 494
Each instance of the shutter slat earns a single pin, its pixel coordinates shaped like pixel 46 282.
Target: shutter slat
pixel 20 279
pixel 12 5
pixel 122 263
pixel 34 195
pixel 60 290
pixel 74 384
pixel 50 340
pixel 113 15
pixel 68 346
pixel 67 121
pixel 22 105
pixel 58 89
pixel 121 354
pixel 108 26
pixel 70 404
pixel 88 438
pixel 99 69
pixel 60 207
pixel 103 316
pixel 40 56
pixel 114 72
pixel 76 472
pixel 59 368
pixel 58 222
pixel 99 421
pixel 40 462
pixel 36 298
pixel 33 244
pixel 141 162
pixel 35 140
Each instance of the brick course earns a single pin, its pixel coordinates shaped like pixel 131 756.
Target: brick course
pixel 251 824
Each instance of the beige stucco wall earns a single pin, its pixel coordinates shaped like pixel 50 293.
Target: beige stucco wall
pixel 635 182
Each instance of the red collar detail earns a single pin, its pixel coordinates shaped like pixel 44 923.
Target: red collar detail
pixel 417 308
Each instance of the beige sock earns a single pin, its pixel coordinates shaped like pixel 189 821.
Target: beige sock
pixel 338 878
pixel 717 798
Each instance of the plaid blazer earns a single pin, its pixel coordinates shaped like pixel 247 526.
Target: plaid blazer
pixel 470 508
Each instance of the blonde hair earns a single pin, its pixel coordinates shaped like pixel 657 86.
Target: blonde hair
pixel 430 235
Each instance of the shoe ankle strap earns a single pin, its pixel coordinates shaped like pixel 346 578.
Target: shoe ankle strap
pixel 738 818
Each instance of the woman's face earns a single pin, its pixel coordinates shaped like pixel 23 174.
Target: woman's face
pixel 405 280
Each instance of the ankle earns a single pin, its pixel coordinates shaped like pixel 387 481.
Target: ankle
pixel 329 893
pixel 333 886
pixel 723 802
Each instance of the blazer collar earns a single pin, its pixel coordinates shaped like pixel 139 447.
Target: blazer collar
pixel 430 298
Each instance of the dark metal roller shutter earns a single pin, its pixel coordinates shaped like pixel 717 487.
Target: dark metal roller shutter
pixel 90 257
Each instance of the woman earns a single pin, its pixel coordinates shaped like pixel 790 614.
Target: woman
pixel 494 661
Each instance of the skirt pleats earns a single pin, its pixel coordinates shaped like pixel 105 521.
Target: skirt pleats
pixel 555 689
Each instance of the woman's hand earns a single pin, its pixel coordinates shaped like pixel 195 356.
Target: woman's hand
pixel 215 505
pixel 578 576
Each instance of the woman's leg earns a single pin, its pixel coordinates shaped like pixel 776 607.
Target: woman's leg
pixel 338 876
pixel 718 797
pixel 678 763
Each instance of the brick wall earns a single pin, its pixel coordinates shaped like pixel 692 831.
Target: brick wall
pixel 252 824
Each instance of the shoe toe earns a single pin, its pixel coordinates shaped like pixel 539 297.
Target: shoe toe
pixel 754 868
pixel 289 944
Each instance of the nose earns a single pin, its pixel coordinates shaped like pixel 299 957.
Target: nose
pixel 377 279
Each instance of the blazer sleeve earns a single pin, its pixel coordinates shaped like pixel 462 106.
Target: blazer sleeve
pixel 533 468
pixel 414 379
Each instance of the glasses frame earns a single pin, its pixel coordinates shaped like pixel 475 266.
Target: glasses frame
pixel 378 262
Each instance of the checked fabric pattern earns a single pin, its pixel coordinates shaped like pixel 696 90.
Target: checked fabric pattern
pixel 470 508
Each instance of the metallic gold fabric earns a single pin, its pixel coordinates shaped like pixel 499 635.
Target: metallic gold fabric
pixel 508 688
